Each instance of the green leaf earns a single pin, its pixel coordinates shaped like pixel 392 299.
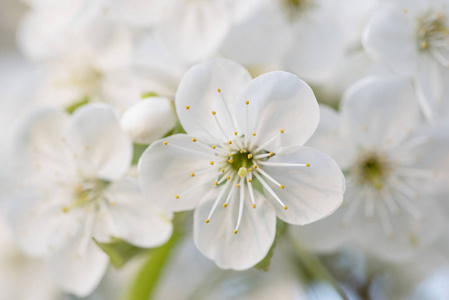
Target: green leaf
pixel 76 105
pixel 264 264
pixel 120 252
pixel 138 150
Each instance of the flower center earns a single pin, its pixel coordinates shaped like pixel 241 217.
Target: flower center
pixel 241 159
pixel 372 169
pixel 433 36
pixel 294 8
pixel 86 192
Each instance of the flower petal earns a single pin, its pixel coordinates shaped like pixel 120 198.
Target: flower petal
pixel 379 112
pixel 165 173
pixel 310 193
pixel 79 267
pixel 198 92
pixel 240 251
pixel 391 37
pixel 278 100
pixel 131 217
pixel 103 149
pixel 328 138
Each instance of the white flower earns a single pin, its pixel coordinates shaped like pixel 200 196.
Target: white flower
pixel 241 133
pixel 149 119
pixel 412 38
pixel 392 167
pixel 74 190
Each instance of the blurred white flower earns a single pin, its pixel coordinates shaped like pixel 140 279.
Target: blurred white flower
pixel 241 133
pixel 412 38
pixel 73 190
pixel 149 119
pixel 390 165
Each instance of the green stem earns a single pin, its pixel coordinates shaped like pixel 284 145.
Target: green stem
pixel 315 269
pixel 145 282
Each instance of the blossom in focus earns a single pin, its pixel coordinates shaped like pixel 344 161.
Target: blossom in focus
pixel 241 163
pixel 74 189
pixel 379 142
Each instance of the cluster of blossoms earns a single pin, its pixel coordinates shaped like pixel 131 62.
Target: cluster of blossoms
pixel 310 138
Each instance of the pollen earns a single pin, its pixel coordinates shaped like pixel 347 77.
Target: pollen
pixel 282 186
pixel 218 90
pixel 237 185
pixel 235 231
pixel 194 140
pixel 250 156
pixel 187 107
pixel 230 161
pixel 250 180
pixel 285 207
pixel 254 205
pixel 242 151
pixel 254 134
pixel 192 174
pixel 213 146
pixel 254 167
pixel 211 162
pixel 228 177
pixel 165 143
pixel 214 113
pixel 282 130
pixel 177 197
pixel 235 133
pixel 270 154
pixel 307 165
pixel 216 183
pixel 207 221
pixel 225 205
pixel 222 170
pixel 230 142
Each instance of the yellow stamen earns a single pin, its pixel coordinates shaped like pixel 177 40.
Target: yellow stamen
pixel 187 107
pixel 270 154
pixel 235 132
pixel 282 130
pixel 307 165
pixel 225 205
pixel 213 113
pixel 194 140
pixel 216 183
pixel 250 180
pixel 282 186
pixel 165 143
pixel 249 156
pixel 237 185
pixel 230 142
pixel 177 197
pixel 254 205
pixel 192 174
pixel 246 102
pixel 285 207
pixel 211 162
pixel 218 90
pixel 235 231
pixel 254 134
pixel 207 221
pixel 213 146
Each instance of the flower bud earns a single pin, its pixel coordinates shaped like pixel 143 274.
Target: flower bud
pixel 149 119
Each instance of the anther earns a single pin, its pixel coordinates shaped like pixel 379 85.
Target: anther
pixel 307 165
pixel 192 174
pixel 235 132
pixel 242 151
pixel 207 221
pixel 187 107
pixel 270 154
pixel 211 162
pixel 230 142
pixel 237 185
pixel 254 205
pixel 285 207
pixel 231 154
pixel 282 186
pixel 249 169
pixel 254 167
pixel 250 156
pixel 228 177
pixel 246 102
pixel 282 130
pixel 65 209
pixel 194 140
pixel 214 113
pixel 235 231
pixel 222 170
pixel 218 90
pixel 254 134
pixel 424 45
pixel 165 143
pixel 230 161
pixel 250 180
pixel 177 197
pixel 213 146
pixel 225 205
pixel 216 183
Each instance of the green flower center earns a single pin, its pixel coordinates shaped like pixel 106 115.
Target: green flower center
pixel 241 160
pixel 372 169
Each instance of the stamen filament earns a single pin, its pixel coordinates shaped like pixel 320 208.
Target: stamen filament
pixel 266 186
pixel 269 141
pixel 220 195
pixel 276 164
pixel 242 199
pixel 262 172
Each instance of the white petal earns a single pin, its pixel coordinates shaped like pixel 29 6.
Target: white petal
pixel 278 100
pixel 148 120
pixel 165 172
pixel 79 267
pixel 38 223
pixel 240 251
pixel 391 37
pixel 198 91
pixel 328 138
pixel 131 217
pixel 310 193
pixel 380 112
pixel 96 137
pixel 195 31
